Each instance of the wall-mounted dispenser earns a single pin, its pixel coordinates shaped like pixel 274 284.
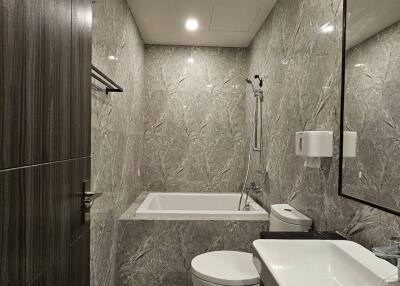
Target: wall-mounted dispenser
pixel 313 145
pixel 349 144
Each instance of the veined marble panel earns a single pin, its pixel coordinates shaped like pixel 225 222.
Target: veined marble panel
pixel 195 131
pixel 117 130
pixel 160 252
pixel 301 67
pixel 191 133
pixel 372 108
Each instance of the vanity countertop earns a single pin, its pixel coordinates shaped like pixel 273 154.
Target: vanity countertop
pixel 319 235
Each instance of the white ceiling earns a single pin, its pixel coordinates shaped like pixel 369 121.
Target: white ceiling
pixel 366 18
pixel 223 23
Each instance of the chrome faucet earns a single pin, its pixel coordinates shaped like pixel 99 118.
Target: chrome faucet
pixel 390 253
pixel 252 188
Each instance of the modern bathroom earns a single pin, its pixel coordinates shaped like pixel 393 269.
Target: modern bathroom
pixel 200 143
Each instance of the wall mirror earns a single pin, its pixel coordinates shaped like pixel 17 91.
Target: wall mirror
pixel 370 104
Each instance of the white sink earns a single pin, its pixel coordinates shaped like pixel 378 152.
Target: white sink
pixel 320 263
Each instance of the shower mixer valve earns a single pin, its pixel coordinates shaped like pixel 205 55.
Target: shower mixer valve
pixel 252 188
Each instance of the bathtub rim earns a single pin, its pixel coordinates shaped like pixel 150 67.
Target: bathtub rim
pixel 144 199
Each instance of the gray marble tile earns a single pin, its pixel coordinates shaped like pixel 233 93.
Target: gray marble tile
pixel 135 249
pixel 138 278
pixel 102 249
pixel 117 132
pixel 371 108
pixel 155 279
pixel 301 68
pixel 178 242
pixel 160 252
pixel 185 127
pixel 195 119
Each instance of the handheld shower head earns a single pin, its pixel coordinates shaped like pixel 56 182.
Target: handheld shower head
pixel 248 80
pixel 257 91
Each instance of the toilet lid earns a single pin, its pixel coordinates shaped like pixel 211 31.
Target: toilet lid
pixel 226 268
pixel 288 214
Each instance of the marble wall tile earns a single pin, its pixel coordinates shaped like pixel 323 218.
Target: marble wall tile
pixel 195 131
pixel 372 107
pixel 136 252
pixel 186 127
pixel 117 131
pixel 301 68
pixel 160 252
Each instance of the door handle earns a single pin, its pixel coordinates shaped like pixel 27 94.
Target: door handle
pixel 87 201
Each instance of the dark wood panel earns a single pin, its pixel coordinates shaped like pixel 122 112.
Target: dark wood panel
pixel 12 80
pixel 71 269
pixel 47 81
pixel 13 231
pixel 81 73
pixel 37 218
pixel 45 101
pixel 80 261
pixel 45 71
pixel 57 274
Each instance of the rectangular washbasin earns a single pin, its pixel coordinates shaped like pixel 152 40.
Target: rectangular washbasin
pixel 320 262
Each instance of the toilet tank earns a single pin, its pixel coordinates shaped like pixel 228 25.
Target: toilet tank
pixel 285 218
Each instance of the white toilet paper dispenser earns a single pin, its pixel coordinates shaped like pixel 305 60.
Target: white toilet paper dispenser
pixel 314 145
pixel 349 144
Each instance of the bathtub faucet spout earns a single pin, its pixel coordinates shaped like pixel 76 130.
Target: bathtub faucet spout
pixel 252 188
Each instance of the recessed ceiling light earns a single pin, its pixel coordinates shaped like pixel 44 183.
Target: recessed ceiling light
pixel 192 24
pixel 113 58
pixel 190 60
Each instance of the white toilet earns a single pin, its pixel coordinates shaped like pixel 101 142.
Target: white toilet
pixel 224 268
pixel 235 268
pixel 285 218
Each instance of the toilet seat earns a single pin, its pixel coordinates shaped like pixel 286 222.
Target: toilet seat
pixel 228 268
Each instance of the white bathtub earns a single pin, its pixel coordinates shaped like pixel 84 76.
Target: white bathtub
pixel 195 206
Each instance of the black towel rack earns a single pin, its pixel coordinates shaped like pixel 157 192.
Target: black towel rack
pixel 111 86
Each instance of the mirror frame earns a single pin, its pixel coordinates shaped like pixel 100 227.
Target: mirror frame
pixel 342 106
